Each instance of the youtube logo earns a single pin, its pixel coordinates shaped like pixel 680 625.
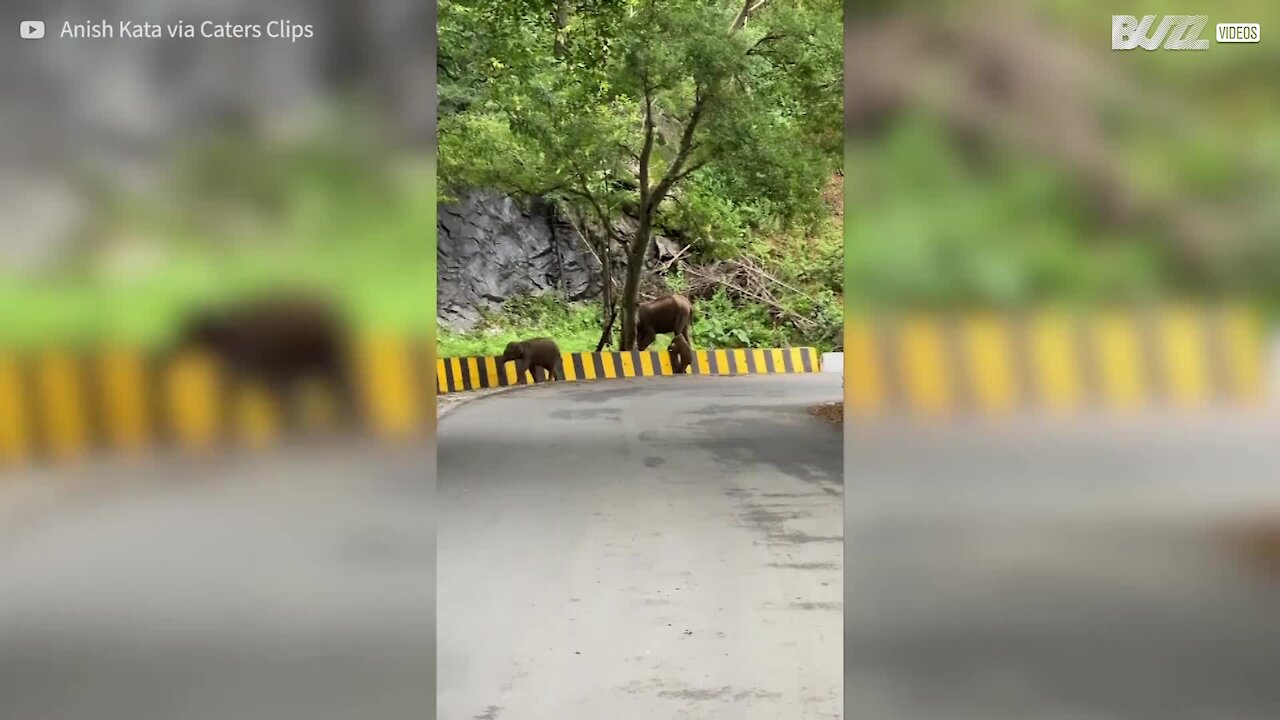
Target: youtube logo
pixel 32 29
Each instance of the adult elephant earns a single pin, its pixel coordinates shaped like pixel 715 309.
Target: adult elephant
pixel 669 314
pixel 277 340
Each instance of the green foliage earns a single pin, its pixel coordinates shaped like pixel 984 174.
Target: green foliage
pixel 531 107
pixel 719 322
pixel 243 216
pixel 725 322
pixel 928 226
pixel 522 120
pixel 823 266
pixel 944 234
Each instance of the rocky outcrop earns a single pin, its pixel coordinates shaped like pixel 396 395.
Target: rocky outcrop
pixel 491 247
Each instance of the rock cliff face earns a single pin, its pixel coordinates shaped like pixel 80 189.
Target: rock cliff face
pixel 492 247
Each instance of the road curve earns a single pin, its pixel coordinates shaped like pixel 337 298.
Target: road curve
pixel 656 548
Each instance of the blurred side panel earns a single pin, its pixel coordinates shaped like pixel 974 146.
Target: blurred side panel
pixel 1061 276
pixel 217 303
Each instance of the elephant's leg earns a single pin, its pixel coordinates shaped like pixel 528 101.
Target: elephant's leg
pixel 681 330
pixel 522 367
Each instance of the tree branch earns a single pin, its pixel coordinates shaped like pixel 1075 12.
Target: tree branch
pixel 606 223
pixel 691 170
pixel 577 227
pixel 610 312
pixel 798 320
pixel 749 8
pixel 540 191
pixel 646 150
pixel 673 174
pixel 757 45
pixel 561 17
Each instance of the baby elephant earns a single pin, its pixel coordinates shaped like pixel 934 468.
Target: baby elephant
pixel 535 356
pixel 681 354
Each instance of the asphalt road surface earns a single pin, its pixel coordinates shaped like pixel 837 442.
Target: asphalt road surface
pixel 294 585
pixel 1060 572
pixel 658 548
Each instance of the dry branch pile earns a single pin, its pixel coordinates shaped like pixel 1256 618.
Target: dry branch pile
pixel 745 279
pixel 831 412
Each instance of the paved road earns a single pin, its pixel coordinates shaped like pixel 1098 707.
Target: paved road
pixel 660 548
pixel 1060 572
pixel 298 585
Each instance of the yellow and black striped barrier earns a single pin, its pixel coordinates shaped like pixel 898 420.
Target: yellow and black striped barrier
pixel 1055 362
pixel 63 404
pixel 474 373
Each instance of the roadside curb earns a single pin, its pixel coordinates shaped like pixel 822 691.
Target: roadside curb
pixel 457 400
pixel 467 374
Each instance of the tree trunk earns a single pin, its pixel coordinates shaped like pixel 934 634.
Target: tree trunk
pixel 606 335
pixel 610 302
pixel 609 308
pixel 562 21
pixel 631 289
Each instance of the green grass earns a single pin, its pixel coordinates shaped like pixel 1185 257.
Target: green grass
pixel 718 323
pixel 574 326
pixel 144 313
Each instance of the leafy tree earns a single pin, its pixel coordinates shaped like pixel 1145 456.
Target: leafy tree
pixel 618 107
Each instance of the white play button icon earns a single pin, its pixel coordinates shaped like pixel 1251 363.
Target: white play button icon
pixel 32 29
